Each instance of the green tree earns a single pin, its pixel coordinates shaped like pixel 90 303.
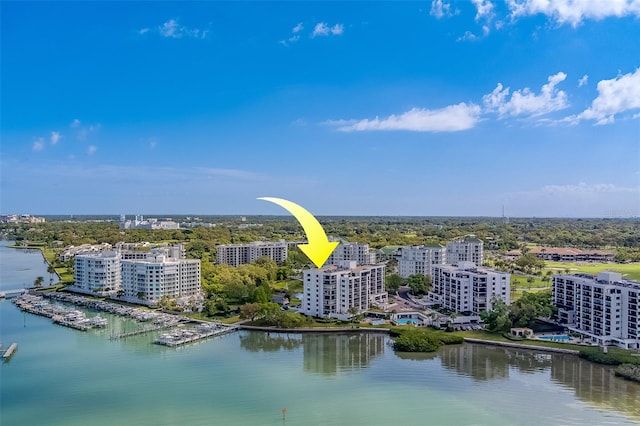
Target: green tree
pixel 393 282
pixel 262 294
pixel 269 311
pixel 51 270
pixel 249 311
pixel 38 282
pixel 530 306
pixel 420 284
pixel 497 319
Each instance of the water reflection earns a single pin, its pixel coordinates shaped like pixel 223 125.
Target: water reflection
pixel 482 362
pixel 595 384
pixel 322 353
pixel 269 342
pixel 330 353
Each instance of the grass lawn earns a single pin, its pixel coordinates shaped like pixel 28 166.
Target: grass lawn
pixel 628 270
pixel 294 286
pixel 519 281
pixel 517 294
pixel 230 320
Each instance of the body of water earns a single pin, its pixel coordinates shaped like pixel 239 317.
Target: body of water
pixel 19 268
pixel 65 377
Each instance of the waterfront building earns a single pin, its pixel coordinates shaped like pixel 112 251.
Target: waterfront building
pixel 603 308
pixel 467 288
pixel 333 291
pixel 138 276
pixel 97 273
pixel 147 281
pixel 346 251
pixel 240 254
pixel 415 260
pixel 465 249
pixel 69 252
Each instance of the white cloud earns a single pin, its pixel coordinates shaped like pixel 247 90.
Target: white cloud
pixel 573 12
pixel 75 123
pixel 337 29
pixel 323 29
pixel 55 137
pixel 91 149
pixel 615 96
pixel 583 80
pixel 484 10
pixel 440 9
pixel 467 36
pixel 526 102
pixel 38 145
pixel 452 118
pixel 83 131
pixel 297 28
pixel 173 29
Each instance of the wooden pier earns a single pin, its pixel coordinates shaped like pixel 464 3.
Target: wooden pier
pixel 141 331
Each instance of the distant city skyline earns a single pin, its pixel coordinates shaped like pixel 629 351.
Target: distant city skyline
pixel 434 108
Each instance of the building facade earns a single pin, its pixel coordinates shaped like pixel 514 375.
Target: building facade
pixel 336 290
pixel 142 277
pixel 240 254
pixel 147 281
pixel 97 273
pixel 466 249
pixel 358 252
pixel 415 260
pixel 603 308
pixel 466 288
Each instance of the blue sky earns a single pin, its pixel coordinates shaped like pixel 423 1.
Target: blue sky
pixel 361 108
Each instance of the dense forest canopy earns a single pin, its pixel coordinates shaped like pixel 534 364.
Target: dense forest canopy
pixel 376 231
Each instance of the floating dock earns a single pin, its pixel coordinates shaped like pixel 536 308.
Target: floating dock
pixel 10 351
pixel 182 337
pixel 59 314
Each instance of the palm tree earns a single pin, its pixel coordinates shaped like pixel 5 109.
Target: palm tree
pixel 38 282
pixel 51 270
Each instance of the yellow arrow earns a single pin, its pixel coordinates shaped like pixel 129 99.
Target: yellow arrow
pixel 319 248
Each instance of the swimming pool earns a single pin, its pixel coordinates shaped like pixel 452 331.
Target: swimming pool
pixel 559 338
pixel 405 321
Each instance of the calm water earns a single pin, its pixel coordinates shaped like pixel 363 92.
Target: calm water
pixel 19 268
pixel 60 376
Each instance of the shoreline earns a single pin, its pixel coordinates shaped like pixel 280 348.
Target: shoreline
pixel 313 329
pixel 41 250
pixel 521 346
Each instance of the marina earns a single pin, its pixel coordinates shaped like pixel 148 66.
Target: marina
pixel 203 331
pixel 68 317
pixel 157 321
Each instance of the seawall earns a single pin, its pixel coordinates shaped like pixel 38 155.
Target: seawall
pixel 521 346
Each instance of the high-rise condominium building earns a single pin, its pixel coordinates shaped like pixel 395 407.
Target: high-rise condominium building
pixel 240 254
pixel 415 260
pixel 603 308
pixel 464 287
pixel 351 251
pixel 465 249
pixel 333 290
